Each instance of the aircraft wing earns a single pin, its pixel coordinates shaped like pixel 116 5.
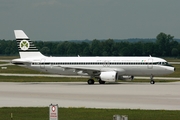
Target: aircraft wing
pixel 91 71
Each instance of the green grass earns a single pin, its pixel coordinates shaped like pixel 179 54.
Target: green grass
pixel 3 62
pixel 170 59
pixel 19 70
pixel 40 79
pixel 7 58
pixel 37 113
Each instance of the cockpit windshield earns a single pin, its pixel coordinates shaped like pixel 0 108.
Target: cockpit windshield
pixel 164 63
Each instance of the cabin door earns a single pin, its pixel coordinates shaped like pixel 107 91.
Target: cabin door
pixel 42 63
pixel 150 63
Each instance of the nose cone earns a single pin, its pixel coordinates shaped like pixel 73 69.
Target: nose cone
pixel 171 69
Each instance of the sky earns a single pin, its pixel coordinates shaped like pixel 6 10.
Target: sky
pixel 89 19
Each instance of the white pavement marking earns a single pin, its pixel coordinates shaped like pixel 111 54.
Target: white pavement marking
pixel 164 96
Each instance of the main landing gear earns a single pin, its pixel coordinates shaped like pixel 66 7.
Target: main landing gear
pixel 152 81
pixel 91 81
pixel 101 82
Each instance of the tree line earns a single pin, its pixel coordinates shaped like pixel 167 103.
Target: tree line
pixel 164 46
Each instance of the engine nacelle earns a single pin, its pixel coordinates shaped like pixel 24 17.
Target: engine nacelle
pixel 127 78
pixel 110 76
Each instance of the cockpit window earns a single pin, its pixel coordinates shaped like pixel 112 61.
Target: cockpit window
pixel 163 63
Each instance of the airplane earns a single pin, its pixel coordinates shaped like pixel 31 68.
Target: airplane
pixel 104 69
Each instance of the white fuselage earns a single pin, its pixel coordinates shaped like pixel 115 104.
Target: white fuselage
pixel 141 66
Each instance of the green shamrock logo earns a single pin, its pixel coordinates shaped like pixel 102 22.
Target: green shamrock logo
pixel 24 45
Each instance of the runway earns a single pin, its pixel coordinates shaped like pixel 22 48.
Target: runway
pixel 122 95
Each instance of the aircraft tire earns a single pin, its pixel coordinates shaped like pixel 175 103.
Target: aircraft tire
pixel 152 82
pixel 101 82
pixel 90 81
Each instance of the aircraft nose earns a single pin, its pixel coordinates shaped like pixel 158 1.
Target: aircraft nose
pixel 171 69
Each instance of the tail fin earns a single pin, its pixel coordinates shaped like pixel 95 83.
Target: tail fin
pixel 25 46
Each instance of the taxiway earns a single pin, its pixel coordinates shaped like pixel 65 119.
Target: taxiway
pixel 122 95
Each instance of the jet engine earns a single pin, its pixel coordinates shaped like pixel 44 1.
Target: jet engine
pixel 110 76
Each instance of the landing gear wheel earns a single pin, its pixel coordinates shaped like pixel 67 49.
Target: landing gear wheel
pixel 152 82
pixel 101 82
pixel 90 81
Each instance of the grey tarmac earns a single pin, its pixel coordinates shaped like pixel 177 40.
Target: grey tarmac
pixel 122 95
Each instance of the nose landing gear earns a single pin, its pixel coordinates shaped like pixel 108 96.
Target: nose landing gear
pixel 152 80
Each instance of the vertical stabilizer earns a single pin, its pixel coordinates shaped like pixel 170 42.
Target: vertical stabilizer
pixel 25 46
